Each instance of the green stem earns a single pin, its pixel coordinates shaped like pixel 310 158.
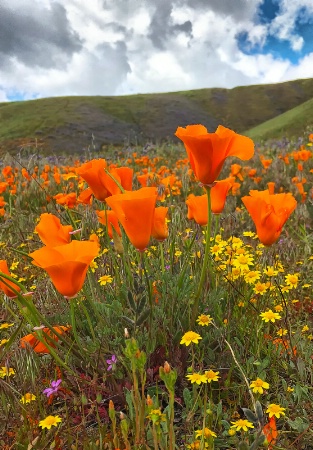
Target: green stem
pixel 206 261
pixel 162 257
pixel 148 284
pixel 115 181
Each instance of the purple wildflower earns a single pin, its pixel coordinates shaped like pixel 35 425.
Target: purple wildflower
pixel 53 389
pixel 111 362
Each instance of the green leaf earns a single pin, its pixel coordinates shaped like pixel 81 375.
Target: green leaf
pixel 249 415
pixel 131 301
pixel 143 317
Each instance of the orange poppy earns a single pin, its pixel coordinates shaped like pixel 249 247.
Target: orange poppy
pixel 67 264
pixel 208 151
pixel 271 187
pixel 124 176
pixel 269 213
pixel 270 431
pixel 198 206
pixel 135 211
pixel 101 184
pixel 52 232
pixel 85 196
pixel 3 284
pixel 110 220
pixel 68 200
pixel 38 346
pixel 159 227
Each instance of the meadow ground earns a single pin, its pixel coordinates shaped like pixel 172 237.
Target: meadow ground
pixel 200 339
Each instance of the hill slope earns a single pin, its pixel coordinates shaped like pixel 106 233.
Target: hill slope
pixel 73 123
pixel 290 123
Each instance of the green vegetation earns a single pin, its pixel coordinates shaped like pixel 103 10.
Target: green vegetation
pixel 295 120
pixel 77 123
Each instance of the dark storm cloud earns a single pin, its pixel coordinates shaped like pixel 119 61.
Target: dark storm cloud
pixel 37 36
pixel 238 9
pixel 162 26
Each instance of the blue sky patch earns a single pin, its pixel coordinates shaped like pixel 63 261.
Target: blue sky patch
pixel 268 10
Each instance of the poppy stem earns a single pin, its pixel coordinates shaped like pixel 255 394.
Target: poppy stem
pixel 162 257
pixel 206 261
pixel 115 181
pixel 142 258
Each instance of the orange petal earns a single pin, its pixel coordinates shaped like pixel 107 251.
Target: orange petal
pixel 51 232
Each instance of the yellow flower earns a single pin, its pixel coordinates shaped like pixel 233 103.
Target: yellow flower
pixel 190 337
pixel 6 372
pixel 282 332
pixel 260 288
pixel 3 341
pixel 50 421
pixel 93 266
pixel 243 261
pixel 290 389
pixel 178 253
pixel 210 375
pixel 196 445
pixel 305 328
pixel 292 280
pixel 156 416
pixel 285 288
pixel 14 265
pixel 278 308
pixel 105 279
pixel 207 433
pixel 275 410
pixel 204 320
pixel 258 385
pixel 242 424
pixel 269 315
pixel 252 276
pixel 196 378
pixel 27 398
pixel 6 325
pixel 270 271
pixel 248 234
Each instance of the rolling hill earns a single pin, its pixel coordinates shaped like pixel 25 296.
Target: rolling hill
pixel 290 123
pixel 72 124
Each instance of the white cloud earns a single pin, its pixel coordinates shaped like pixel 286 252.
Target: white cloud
pixel 3 96
pixel 283 25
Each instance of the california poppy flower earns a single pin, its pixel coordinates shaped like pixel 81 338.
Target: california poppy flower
pixel 198 205
pixel 269 213
pixel 208 151
pixel 3 284
pixel 125 175
pixel 271 187
pixel 52 232
pixel 198 208
pixel 67 264
pixel 270 431
pixel 68 200
pixel 159 226
pixel 85 196
pixel 32 340
pixel 109 219
pixel 135 211
pixel 101 184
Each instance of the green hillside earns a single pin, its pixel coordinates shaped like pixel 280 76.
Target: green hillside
pixel 75 123
pixel 290 123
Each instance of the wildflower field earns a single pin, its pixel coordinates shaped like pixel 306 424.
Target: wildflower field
pixel 158 297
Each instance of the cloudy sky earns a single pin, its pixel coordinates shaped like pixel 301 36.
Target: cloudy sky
pixel 116 47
